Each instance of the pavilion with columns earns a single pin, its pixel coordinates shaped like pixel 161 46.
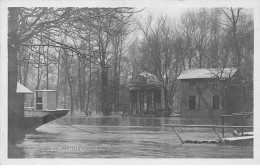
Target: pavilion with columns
pixel 146 96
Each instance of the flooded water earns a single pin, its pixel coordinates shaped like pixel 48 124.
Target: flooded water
pixel 124 137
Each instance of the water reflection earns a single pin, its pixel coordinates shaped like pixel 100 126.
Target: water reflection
pixel 124 137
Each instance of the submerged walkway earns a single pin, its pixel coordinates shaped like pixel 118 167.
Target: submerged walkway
pixel 244 137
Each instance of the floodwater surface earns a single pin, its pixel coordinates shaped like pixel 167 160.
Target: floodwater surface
pixel 124 137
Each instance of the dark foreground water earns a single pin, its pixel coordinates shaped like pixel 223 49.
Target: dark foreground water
pixel 124 137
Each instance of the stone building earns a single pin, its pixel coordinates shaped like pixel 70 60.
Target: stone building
pixel 209 92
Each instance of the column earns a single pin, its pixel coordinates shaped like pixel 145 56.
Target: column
pixel 152 99
pixel 162 105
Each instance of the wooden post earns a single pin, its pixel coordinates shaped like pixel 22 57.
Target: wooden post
pixel 223 123
pixel 242 125
pixel 179 136
pixel 131 101
pixel 216 131
pixel 138 102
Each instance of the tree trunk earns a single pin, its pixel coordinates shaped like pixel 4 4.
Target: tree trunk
pixel 15 113
pixel 98 91
pixel 104 86
pixel 47 69
pixel 38 70
pixel 90 78
pixel 79 85
pixel 68 76
pixel 89 86
pixel 26 69
pixel 83 90
pixel 20 67
pixel 58 81
pixel 200 59
pixel 118 80
pixel 166 104
pixel 71 96
pixel 115 78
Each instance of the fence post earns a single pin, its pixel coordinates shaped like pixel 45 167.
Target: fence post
pixel 179 136
pixel 223 129
pixel 216 131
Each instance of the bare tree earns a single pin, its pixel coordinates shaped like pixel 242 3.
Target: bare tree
pixel 232 21
pixel 157 52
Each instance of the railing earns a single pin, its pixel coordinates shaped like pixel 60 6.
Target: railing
pixel 214 127
pixel 242 115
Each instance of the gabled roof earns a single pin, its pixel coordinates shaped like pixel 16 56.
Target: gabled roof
pixel 150 78
pixel 204 73
pixel 145 79
pixel 22 89
pixel 44 90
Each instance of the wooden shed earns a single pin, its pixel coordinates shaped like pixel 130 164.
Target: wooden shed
pixel 16 119
pixel 21 91
pixel 209 92
pixel 146 95
pixel 45 99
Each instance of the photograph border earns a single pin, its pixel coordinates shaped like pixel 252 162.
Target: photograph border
pixel 4 4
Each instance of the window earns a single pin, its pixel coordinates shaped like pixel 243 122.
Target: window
pixel 39 102
pixel 215 102
pixel 192 102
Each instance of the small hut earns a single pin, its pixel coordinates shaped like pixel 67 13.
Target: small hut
pixel 45 99
pixel 20 100
pixel 146 95
pixel 21 91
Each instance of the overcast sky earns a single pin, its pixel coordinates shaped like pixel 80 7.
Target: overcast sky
pixel 175 12
pixel 171 12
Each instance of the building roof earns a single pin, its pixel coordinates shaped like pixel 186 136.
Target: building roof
pixel 22 89
pixel 44 90
pixel 150 78
pixel 204 73
pixel 146 79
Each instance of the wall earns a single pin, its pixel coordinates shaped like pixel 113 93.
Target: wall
pixel 204 98
pixel 51 100
pixel 235 101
